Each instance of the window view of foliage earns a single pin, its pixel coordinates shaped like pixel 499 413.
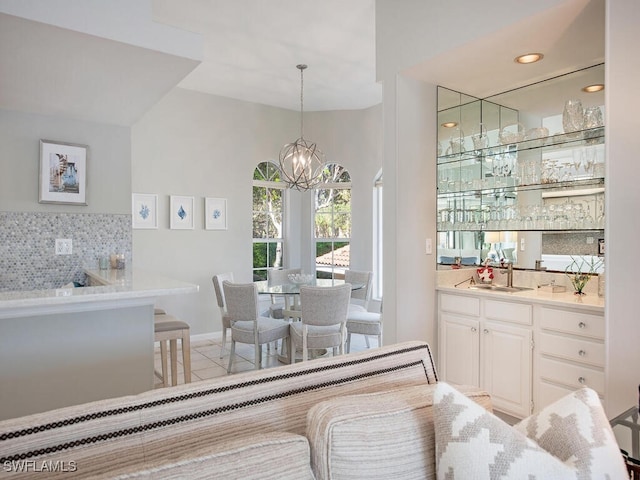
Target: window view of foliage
pixel 332 219
pixel 267 219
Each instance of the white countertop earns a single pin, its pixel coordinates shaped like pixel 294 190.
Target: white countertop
pixel 589 302
pixel 117 285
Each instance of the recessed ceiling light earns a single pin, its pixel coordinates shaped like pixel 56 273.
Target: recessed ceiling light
pixel 529 58
pixel 598 87
pixel 450 124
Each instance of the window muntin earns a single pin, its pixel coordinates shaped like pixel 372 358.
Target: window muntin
pixel 332 222
pixel 268 219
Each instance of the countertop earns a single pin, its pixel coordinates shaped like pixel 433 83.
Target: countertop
pixel 125 284
pixel 589 302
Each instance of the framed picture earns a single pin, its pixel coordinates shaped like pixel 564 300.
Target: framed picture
pixel 181 213
pixel 63 173
pixel 144 210
pixel 215 213
pixel 601 246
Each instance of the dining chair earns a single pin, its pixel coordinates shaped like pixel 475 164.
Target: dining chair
pixel 323 318
pixel 360 297
pixel 247 326
pixel 364 323
pixel 278 302
pixel 222 305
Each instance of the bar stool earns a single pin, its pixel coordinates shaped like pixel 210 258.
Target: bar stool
pixel 169 328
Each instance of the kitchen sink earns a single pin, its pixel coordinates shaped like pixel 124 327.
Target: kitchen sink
pixel 499 288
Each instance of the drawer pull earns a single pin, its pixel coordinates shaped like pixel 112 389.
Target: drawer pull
pixel 582 380
pixel 486 331
pixel 474 329
pixel 582 353
pixel 582 325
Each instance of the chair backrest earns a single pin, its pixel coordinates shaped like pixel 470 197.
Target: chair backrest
pixel 217 286
pixel 362 295
pixel 280 277
pixel 242 300
pixel 324 305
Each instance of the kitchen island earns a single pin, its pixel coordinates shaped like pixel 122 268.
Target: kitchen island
pixel 67 346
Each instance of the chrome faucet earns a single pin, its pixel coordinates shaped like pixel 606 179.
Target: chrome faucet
pixel 509 271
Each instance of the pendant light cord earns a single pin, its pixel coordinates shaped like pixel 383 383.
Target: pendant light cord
pixel 301 67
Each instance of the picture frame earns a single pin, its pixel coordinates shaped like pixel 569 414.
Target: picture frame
pixel 144 210
pixel 601 247
pixel 63 173
pixel 181 213
pixel 215 213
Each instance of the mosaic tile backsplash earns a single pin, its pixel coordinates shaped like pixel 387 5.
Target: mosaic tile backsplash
pixel 27 247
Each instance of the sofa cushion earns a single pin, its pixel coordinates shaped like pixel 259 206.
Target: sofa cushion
pixel 279 455
pixel 143 430
pixel 377 436
pixel 570 438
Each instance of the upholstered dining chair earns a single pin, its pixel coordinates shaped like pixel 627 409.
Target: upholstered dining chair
pixel 222 305
pixel 360 297
pixel 247 326
pixel 279 277
pixel 323 318
pixel 364 323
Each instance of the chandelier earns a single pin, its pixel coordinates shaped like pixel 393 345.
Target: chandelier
pixel 301 162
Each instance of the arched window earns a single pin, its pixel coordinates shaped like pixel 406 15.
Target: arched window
pixel 332 222
pixel 268 218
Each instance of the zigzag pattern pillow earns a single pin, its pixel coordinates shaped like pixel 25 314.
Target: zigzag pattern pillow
pixel 569 439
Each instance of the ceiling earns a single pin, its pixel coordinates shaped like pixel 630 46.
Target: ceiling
pixel 251 49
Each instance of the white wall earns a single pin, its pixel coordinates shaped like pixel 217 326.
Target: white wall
pixel 108 162
pixel 206 146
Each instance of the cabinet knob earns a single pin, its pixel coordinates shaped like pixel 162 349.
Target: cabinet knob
pixel 474 329
pixel 582 353
pixel 486 331
pixel 582 380
pixel 582 325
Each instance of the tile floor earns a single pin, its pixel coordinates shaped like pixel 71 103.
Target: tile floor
pixel 206 362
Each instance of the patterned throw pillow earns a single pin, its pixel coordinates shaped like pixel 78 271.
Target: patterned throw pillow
pixel 570 439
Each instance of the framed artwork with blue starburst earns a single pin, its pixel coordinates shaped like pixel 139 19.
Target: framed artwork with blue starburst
pixel 215 213
pixel 144 210
pixel 181 213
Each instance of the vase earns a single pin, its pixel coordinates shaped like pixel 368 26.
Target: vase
pixel 593 124
pixel 572 116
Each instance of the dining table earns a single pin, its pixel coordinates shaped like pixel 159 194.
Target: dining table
pixel 291 294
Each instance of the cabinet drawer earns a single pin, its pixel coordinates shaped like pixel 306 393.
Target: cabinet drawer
pixel 460 304
pixel 583 324
pixel 571 375
pixel 508 312
pixel 576 349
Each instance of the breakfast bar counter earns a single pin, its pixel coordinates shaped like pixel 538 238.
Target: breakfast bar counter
pixel 68 346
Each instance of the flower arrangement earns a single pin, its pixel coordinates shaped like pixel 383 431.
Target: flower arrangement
pixel 580 271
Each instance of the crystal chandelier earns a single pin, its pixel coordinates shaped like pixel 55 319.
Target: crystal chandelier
pixel 301 162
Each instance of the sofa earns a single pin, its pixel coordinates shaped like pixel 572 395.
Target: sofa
pixel 361 415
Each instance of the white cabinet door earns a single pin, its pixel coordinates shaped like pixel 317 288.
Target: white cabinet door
pixel 459 349
pixel 507 364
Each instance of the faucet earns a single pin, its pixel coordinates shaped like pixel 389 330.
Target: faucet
pixel 509 271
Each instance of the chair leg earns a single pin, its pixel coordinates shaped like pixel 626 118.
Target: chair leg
pixel 232 352
pixel 224 341
pixel 258 354
pixel 366 340
pixel 186 356
pixel 348 342
pixel 173 347
pixel 305 352
pixel 379 340
pixel 163 360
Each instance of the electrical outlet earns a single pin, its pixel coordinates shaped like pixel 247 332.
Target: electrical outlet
pixel 64 246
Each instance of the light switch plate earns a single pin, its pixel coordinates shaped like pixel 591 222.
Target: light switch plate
pixel 428 246
pixel 64 246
